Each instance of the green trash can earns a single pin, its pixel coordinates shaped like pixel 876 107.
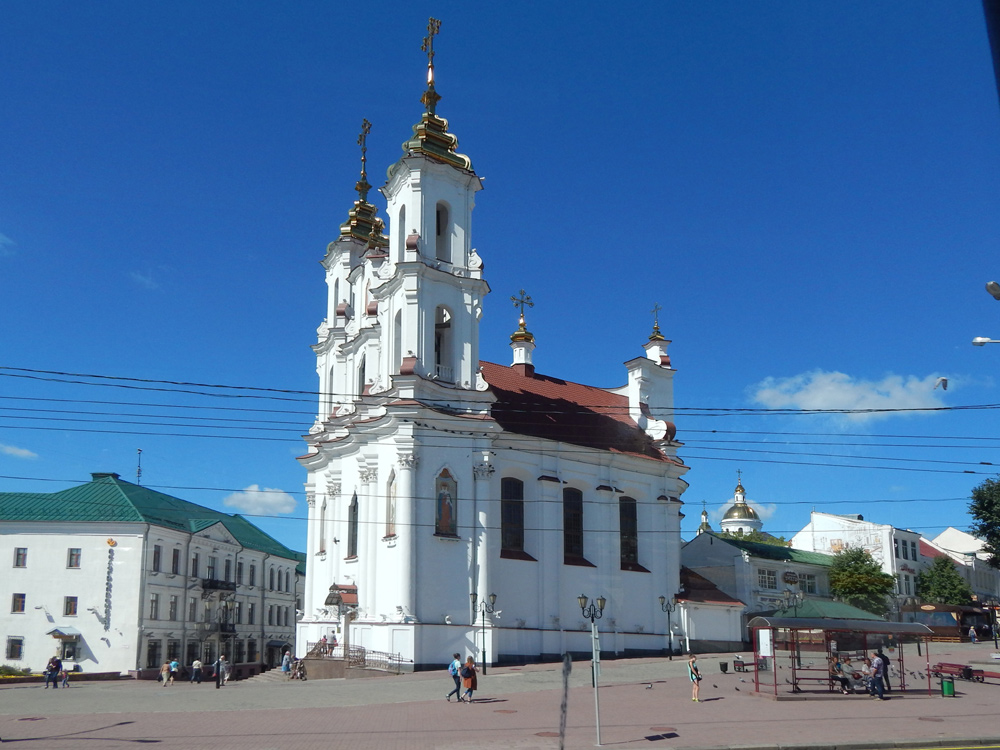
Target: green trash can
pixel 947 686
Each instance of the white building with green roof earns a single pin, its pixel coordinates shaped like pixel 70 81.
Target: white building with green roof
pixel 116 577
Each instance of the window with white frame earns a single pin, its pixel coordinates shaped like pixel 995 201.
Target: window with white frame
pixel 69 606
pixel 807 582
pixel 157 557
pixel 20 557
pixel 172 608
pixel 154 606
pixel 767 579
pixel 73 557
pixel 17 604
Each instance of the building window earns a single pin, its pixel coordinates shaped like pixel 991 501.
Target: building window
pixel 767 579
pixel 157 554
pixel 239 613
pixel 895 547
pixel 270 614
pixel 20 557
pixel 172 607
pixel 193 610
pixel 443 361
pixel 278 573
pixel 213 567
pixel 628 532
pixel 807 583
pixel 288 581
pixel 239 657
pixel 906 550
pixel 390 507
pixel 511 515
pixel 913 550
pixel 15 647
pixel 445 508
pixel 270 579
pixel 154 606
pixel 175 561
pixel 239 573
pixel 906 585
pixel 251 650
pixel 252 614
pixel 73 557
pixel 17 604
pixel 442 233
pixel 228 575
pixel 253 576
pixel 352 531
pixel 153 650
pixel 194 565
pixel 69 606
pixel 572 524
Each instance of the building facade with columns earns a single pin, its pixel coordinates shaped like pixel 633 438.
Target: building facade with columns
pixel 436 479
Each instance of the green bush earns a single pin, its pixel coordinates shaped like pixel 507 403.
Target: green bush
pixel 6 670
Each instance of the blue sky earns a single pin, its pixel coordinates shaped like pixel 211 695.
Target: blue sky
pixel 809 191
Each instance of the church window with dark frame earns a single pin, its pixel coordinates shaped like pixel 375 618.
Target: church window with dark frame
pixel 573 527
pixel 352 527
pixel 511 515
pixel 628 532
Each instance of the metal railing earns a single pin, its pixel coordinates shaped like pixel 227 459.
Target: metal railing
pixel 359 657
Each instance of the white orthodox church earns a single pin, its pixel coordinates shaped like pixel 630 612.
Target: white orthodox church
pixel 437 480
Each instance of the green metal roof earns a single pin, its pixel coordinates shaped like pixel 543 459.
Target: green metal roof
pixel 108 498
pixel 777 552
pixel 825 608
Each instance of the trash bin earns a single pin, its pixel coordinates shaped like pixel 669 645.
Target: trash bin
pixel 947 686
pixel 724 666
pixel 966 673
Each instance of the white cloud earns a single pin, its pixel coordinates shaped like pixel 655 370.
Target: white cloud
pixel 144 280
pixel 837 390
pixel 6 245
pixel 13 450
pixel 257 501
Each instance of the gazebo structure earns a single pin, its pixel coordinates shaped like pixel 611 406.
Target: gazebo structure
pixel 805 645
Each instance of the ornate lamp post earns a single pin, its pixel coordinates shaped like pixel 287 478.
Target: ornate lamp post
pixel 669 607
pixel 594 612
pixel 486 607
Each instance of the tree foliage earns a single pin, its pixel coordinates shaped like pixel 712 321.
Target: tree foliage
pixel 985 509
pixel 855 578
pixel 941 583
pixel 754 536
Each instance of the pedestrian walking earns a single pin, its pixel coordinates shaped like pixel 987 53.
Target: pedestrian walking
pixel 196 671
pixel 695 676
pixel 220 671
pixel 885 669
pixel 64 675
pixel 454 669
pixel 52 670
pixel 175 670
pixel 286 664
pixel 322 646
pixel 469 679
pixel 972 633
pixel 164 674
pixel 877 667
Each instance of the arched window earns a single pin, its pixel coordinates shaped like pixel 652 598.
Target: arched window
pixel 362 377
pixel 390 506
pixel 443 366
pixel 336 302
pixel 511 515
pixel 442 233
pixel 628 533
pixel 288 582
pixel 352 527
pixel 270 580
pixel 401 233
pixel 279 581
pixel 397 342
pixel 322 527
pixel 572 526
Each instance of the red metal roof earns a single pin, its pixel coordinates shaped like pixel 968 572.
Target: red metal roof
pixel 545 407
pixel 927 550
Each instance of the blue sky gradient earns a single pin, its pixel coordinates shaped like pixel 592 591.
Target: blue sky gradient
pixel 809 191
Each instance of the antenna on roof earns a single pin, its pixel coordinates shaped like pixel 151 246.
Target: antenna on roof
pixel 138 469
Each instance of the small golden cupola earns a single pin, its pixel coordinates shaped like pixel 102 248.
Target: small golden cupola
pixel 362 222
pixel 522 341
pixel 430 135
pixel 740 517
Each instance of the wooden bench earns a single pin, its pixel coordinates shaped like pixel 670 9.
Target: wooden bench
pixel 962 671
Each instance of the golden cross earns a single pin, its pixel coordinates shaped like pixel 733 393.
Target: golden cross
pixel 362 185
pixel 656 314
pixel 521 301
pixel 433 29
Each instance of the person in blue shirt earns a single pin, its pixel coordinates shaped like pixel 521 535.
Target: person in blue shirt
pixel 454 670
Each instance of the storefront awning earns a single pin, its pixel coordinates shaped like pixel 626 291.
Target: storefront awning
pixel 66 632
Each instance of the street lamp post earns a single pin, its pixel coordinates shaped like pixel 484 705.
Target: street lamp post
pixel 669 607
pixel 486 607
pixel 594 612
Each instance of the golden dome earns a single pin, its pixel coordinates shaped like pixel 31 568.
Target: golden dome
pixel 741 512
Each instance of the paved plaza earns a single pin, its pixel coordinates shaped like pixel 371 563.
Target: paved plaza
pixel 643 703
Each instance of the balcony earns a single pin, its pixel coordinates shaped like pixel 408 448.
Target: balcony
pixel 214 584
